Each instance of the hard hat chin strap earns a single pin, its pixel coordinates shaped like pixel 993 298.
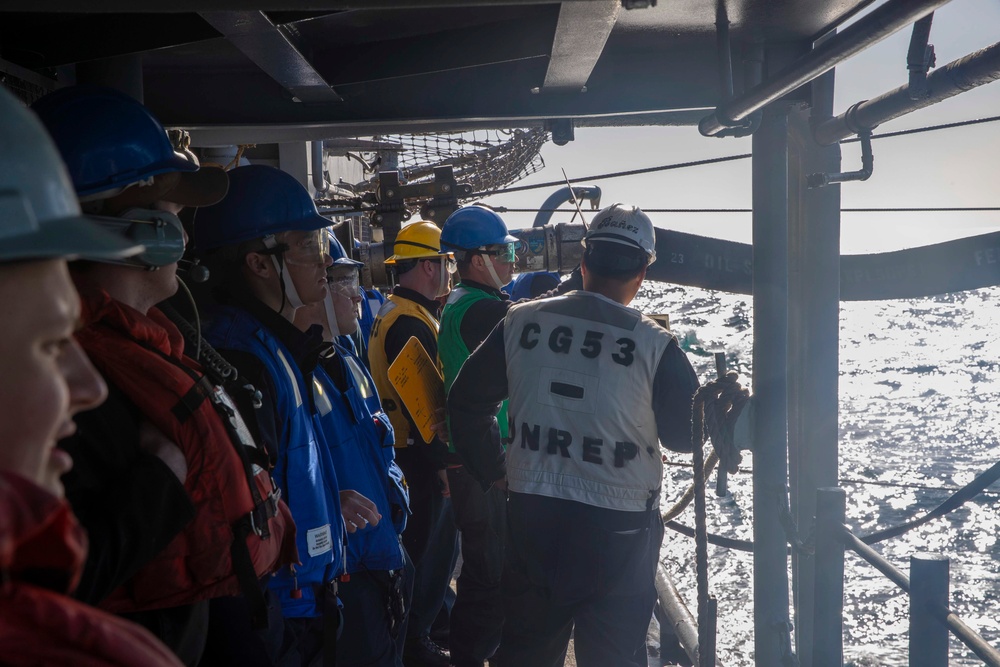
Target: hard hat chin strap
pixel 331 315
pixel 288 291
pixel 497 283
pixel 289 294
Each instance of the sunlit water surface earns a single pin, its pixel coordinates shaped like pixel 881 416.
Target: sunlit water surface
pixel 919 390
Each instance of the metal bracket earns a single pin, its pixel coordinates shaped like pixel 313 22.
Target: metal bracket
pixel 391 212
pixel 820 179
pixel 920 58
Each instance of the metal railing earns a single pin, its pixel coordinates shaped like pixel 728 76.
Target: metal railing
pixel 927 585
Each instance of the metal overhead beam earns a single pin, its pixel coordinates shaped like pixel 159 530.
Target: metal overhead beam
pixel 272 50
pixel 198 6
pixel 581 34
pixel 871 29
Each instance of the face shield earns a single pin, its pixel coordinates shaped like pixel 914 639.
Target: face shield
pixel 345 285
pixel 448 267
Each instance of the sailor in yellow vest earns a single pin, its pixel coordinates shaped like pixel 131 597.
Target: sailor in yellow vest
pixel 430 537
pixel 595 389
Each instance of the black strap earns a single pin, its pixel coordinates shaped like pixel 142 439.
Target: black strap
pixel 246 574
pixel 332 624
pixel 192 400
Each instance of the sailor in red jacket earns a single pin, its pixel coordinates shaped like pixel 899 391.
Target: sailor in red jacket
pixel 47 379
pixel 167 476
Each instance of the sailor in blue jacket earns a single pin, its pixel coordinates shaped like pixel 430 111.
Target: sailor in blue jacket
pixel 266 246
pixel 349 415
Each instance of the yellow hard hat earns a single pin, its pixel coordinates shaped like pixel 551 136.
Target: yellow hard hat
pixel 417 240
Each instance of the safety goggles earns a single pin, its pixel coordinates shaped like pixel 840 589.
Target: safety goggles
pixel 347 285
pixel 505 254
pixel 305 248
pixel 448 263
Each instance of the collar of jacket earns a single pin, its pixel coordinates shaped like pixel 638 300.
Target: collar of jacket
pixel 306 347
pixel 500 294
pixel 433 306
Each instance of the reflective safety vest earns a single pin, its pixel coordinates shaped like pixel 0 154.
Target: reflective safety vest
pixel 580 370
pixel 304 470
pixel 239 528
pixel 452 350
pixel 360 438
pixel 393 308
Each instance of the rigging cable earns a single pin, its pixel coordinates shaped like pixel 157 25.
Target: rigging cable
pixel 730 158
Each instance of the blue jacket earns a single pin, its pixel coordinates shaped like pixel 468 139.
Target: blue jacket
pixel 360 438
pixel 304 470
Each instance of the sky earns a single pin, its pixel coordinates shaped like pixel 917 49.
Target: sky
pixel 948 168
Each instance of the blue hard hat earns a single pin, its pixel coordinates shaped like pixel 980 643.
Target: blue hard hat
pixel 107 139
pixel 530 285
pixel 472 227
pixel 339 255
pixel 261 201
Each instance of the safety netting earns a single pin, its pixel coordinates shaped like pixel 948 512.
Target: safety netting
pixel 488 160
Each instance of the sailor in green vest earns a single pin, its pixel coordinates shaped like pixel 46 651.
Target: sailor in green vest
pixel 485 253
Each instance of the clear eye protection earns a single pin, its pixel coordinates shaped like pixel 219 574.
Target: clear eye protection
pixel 347 285
pixel 506 253
pixel 160 231
pixel 305 248
pixel 449 264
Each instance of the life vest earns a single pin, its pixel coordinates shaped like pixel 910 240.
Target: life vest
pixel 304 470
pixel 40 625
pixel 360 438
pixel 241 530
pixel 393 308
pixel 580 371
pixel 452 350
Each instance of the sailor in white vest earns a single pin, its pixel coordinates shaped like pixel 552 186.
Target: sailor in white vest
pixel 595 389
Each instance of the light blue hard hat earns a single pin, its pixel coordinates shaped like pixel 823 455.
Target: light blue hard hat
pixel 262 201
pixel 472 227
pixel 39 213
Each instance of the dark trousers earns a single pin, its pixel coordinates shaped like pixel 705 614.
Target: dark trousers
pixel 370 599
pixel 569 564
pixel 477 617
pixel 313 641
pixel 232 639
pixel 430 538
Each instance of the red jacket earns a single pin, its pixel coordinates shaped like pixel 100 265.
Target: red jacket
pixel 42 549
pixel 144 357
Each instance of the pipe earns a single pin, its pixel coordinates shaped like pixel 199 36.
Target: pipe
pixel 681 619
pixel 972 71
pixel 591 193
pixel 319 180
pixel 873 28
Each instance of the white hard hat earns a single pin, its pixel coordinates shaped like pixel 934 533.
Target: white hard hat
pixel 626 225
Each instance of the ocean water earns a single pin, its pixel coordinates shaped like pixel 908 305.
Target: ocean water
pixel 919 417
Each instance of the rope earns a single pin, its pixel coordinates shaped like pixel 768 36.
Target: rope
pixel 714 411
pixel 688 495
pixel 953 502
